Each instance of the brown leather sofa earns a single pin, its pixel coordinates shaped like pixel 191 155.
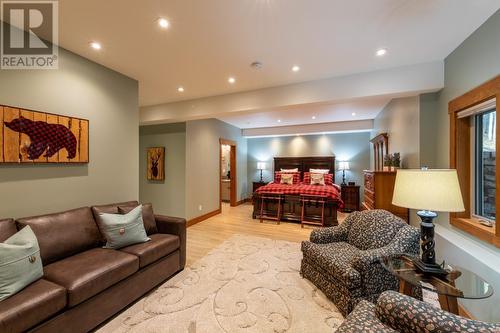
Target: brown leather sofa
pixel 84 284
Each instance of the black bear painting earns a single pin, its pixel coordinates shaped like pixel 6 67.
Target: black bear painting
pixel 31 136
pixel 48 138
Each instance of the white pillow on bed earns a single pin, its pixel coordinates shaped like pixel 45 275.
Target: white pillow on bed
pixel 287 179
pixel 290 170
pixel 319 171
pixel 317 179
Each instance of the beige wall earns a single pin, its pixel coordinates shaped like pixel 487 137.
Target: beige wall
pixel 84 89
pixel 168 197
pixel 202 164
pixel 400 120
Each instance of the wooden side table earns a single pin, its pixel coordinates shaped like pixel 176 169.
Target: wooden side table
pixel 256 185
pixel 350 197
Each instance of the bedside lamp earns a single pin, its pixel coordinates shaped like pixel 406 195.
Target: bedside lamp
pixel 428 191
pixel 261 166
pixel 343 166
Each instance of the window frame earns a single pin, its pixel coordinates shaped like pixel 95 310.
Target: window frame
pixel 460 158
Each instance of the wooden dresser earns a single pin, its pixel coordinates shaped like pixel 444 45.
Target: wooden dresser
pixel 379 186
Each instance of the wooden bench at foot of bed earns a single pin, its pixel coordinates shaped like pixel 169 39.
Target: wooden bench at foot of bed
pixel 291 209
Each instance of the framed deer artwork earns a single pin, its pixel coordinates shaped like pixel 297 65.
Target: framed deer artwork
pixel 156 163
pixel 28 136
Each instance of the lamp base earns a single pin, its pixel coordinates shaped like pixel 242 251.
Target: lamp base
pixel 429 269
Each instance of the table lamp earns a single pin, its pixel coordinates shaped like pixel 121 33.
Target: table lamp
pixel 261 166
pixel 428 191
pixel 343 166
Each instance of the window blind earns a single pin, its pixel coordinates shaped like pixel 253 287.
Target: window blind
pixel 479 108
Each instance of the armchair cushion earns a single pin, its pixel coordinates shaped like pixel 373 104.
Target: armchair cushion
pixel 374 229
pixel 363 319
pixel 409 315
pixel 335 259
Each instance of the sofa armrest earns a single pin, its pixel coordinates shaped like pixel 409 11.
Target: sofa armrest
pixel 406 241
pixel 328 235
pixel 407 314
pixel 175 226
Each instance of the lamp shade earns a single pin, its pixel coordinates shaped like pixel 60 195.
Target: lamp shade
pixel 344 165
pixel 436 190
pixel 261 165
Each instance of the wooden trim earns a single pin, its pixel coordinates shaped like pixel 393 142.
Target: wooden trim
pixel 460 157
pixel 241 202
pixel 227 142
pixel 204 217
pixel 463 312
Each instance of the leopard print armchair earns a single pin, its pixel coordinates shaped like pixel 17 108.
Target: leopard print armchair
pixel 395 312
pixel 344 261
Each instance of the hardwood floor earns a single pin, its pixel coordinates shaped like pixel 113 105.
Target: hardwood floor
pixel 204 236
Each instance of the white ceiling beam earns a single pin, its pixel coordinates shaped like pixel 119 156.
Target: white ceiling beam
pixel 336 127
pixel 400 81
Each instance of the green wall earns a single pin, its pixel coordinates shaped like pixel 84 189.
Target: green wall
pixel 168 196
pixel 474 62
pixel 79 88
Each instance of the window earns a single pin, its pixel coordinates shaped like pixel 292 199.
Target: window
pixel 485 165
pixel 473 132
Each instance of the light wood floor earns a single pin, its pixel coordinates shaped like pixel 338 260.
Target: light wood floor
pixel 206 235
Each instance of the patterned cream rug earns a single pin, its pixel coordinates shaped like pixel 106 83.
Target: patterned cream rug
pixel 247 284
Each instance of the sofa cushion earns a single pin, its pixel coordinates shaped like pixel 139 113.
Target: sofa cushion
pixel 88 273
pixel 374 229
pixel 334 259
pixel 32 305
pixel 7 229
pixel 148 217
pixel 159 246
pixel 61 235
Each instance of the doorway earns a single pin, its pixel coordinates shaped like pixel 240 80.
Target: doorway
pixel 227 177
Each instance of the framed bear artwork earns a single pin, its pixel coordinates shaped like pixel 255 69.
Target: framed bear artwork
pixel 156 163
pixel 28 136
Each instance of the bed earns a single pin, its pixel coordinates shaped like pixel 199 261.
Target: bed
pixel 291 204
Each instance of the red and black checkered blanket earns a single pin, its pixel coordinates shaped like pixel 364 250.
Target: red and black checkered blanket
pixel 329 191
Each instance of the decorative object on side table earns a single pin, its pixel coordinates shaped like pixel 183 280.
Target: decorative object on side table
pixel 156 163
pixel 428 191
pixel 350 197
pixel 459 283
pixel 343 166
pixel 261 166
pixel 392 161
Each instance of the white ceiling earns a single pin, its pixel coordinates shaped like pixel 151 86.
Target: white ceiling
pixel 366 108
pixel 210 40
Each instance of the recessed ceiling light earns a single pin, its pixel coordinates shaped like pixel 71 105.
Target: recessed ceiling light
pixel 353 114
pixel 231 80
pixel 279 120
pixel 313 117
pixel 381 52
pixel 180 89
pixel 162 22
pixel 95 45
pixel 295 68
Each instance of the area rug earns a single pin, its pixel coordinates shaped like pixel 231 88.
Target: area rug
pixel 247 284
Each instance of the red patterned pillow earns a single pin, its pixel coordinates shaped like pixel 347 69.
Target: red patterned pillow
pixel 277 177
pixel 328 178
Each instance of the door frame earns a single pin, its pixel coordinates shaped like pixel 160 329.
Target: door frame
pixel 233 172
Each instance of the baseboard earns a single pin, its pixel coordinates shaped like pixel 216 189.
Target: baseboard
pixel 241 202
pixel 203 217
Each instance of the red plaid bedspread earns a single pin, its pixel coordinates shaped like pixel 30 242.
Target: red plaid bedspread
pixel 331 192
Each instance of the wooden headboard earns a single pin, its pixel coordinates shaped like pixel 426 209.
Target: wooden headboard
pixel 305 163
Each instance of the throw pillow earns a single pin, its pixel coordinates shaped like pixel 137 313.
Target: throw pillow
pixel 20 262
pixel 319 170
pixel 287 178
pixel 148 217
pixel 123 230
pixel 290 170
pixel 317 179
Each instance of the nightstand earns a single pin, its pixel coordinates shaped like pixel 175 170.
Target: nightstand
pixel 256 185
pixel 350 197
